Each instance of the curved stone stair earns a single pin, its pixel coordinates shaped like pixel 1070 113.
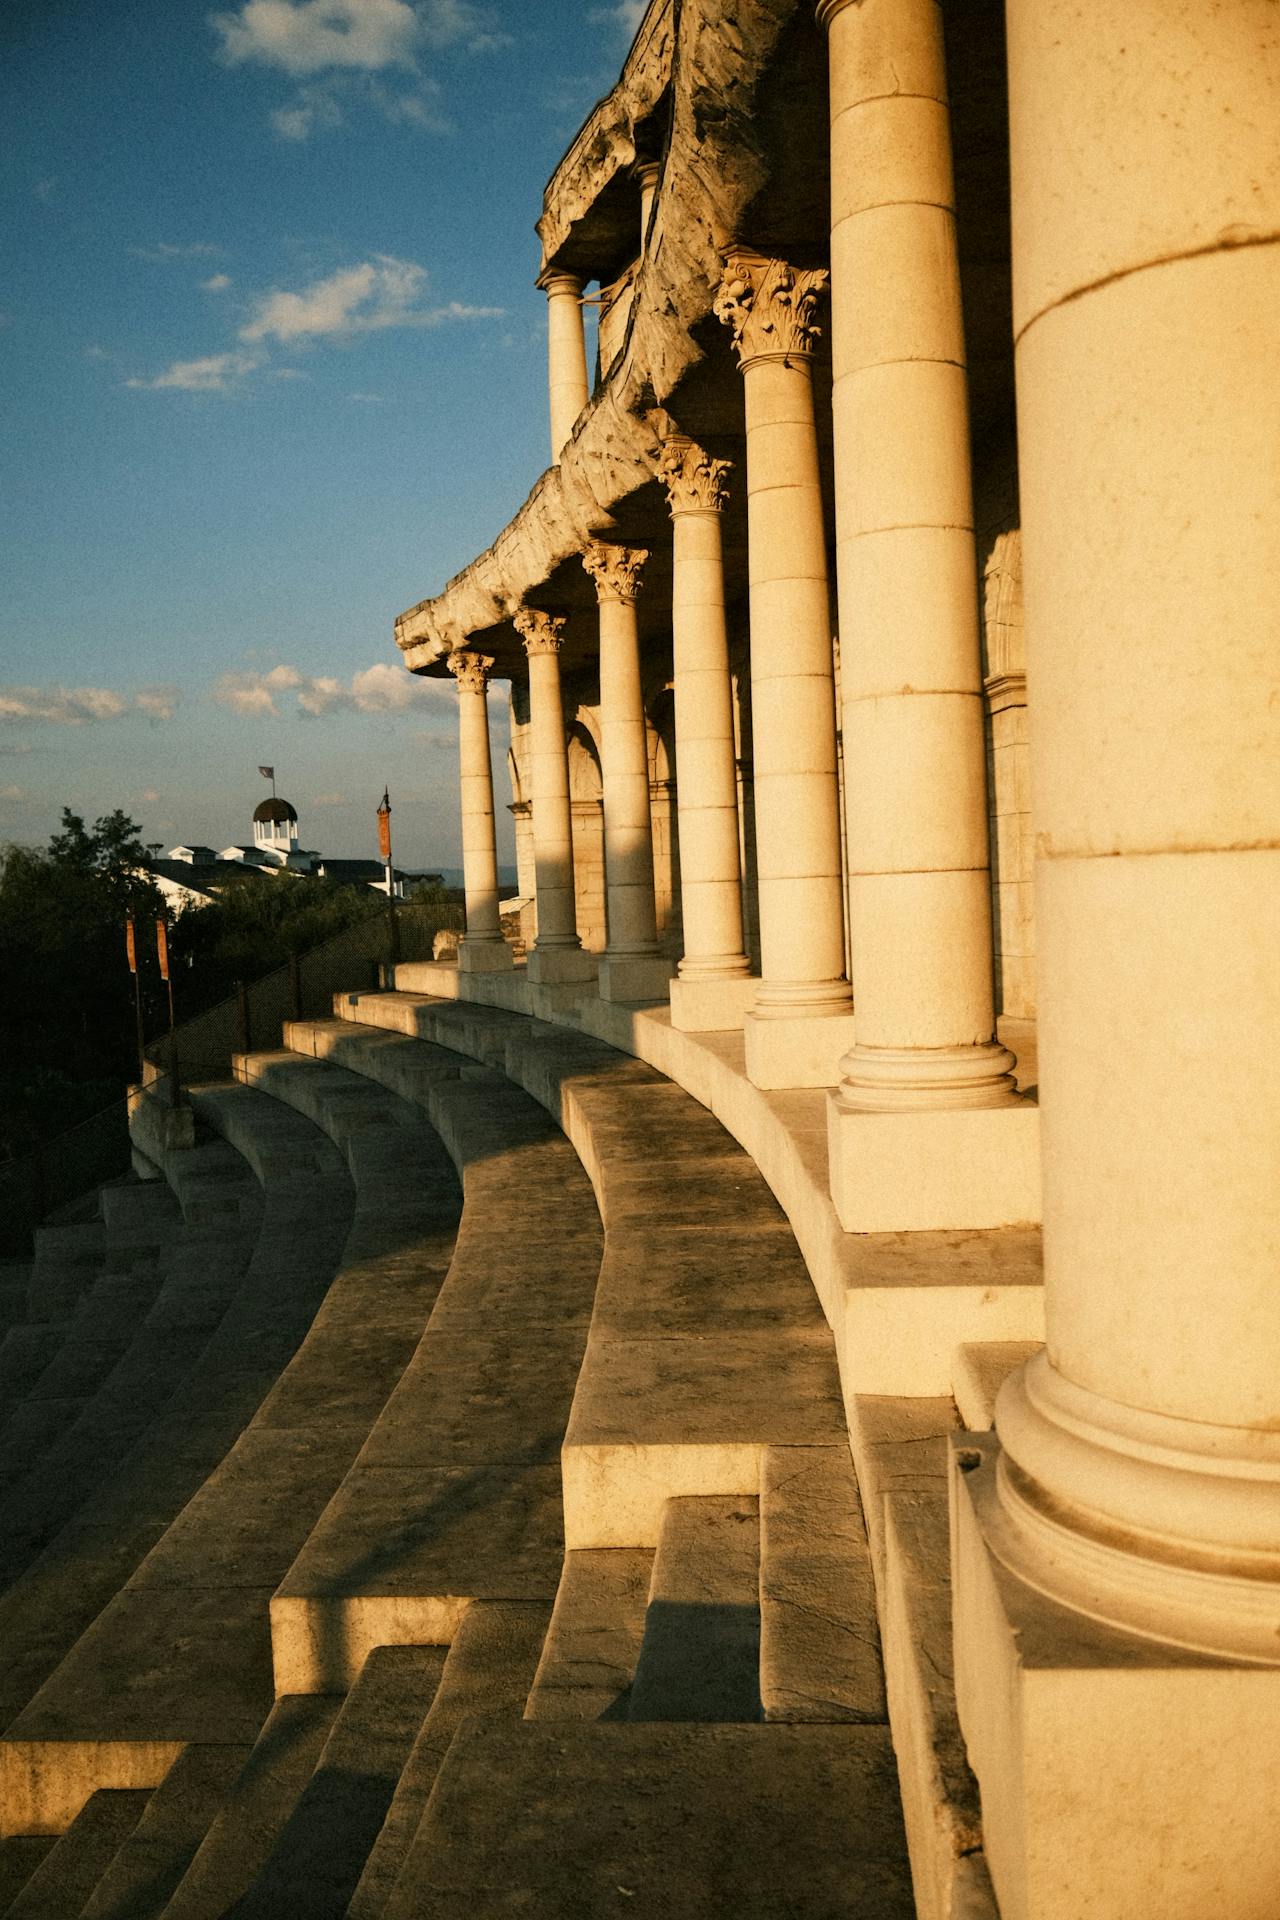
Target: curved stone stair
pixel 111 1715
pixel 138 1219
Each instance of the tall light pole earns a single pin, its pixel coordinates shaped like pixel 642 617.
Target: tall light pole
pixel 384 847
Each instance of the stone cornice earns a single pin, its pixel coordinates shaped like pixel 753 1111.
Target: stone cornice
pixel 471 670
pixel 695 482
pixel 768 305
pixel 615 570
pixel 541 632
pixel 716 170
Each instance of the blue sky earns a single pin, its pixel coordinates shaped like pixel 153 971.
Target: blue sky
pixel 273 367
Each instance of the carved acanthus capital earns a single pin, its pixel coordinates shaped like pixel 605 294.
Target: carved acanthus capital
pixel 615 570
pixel 471 670
pixel 695 482
pixel 1002 605
pixel 541 632
pixel 769 306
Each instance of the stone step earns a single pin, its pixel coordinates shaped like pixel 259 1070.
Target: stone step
pixel 820 1655
pixel 18 1861
pixel 139 1880
pixel 979 1370
pixel 717 1822
pixel 488 1673
pixel 456 1494
pixel 70 1870
pixel 208 1582
pixel 707 1343
pixel 322 1850
pixel 593 1643
pixel 252 1817
pixel 700 1654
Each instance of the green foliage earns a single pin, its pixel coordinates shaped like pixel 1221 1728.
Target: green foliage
pixel 67 1026
pixel 256 922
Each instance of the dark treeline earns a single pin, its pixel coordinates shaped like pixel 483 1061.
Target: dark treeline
pixel 68 1043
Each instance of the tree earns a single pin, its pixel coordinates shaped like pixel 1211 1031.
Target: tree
pixel 66 998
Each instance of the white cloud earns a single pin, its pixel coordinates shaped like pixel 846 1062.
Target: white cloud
pixel 335 49
pixel 626 15
pixel 12 792
pixel 328 799
pixel 369 399
pixel 313 35
pixel 217 284
pixel 379 293
pixel 163 252
pixel 149 796
pixel 381 688
pixel 214 374
pixel 73 706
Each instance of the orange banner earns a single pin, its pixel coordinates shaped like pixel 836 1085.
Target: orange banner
pixel 384 833
pixel 162 948
pixel 129 945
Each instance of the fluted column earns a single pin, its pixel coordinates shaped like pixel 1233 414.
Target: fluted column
pixel 631 967
pixel 567 382
pixel 482 948
pixel 915 758
pixel 556 955
pixel 790 1036
pixel 713 990
pixel 1128 1513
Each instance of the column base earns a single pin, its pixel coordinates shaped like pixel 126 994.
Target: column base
pixel 1119 1775
pixel 803 1051
pixel 491 955
pixel 635 976
pixel 554 966
pixel 711 1006
pixel 926 1170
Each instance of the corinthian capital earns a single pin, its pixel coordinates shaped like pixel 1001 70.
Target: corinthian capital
pixel 541 632
pixel 695 482
pixel 769 306
pixel 615 570
pixel 470 669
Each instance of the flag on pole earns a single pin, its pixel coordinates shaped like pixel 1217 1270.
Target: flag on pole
pixel 268 773
pixel 162 948
pixel 384 826
pixel 129 946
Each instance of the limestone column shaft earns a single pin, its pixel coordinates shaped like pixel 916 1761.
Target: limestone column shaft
pixel 568 386
pixel 707 786
pixel 624 756
pixel 1144 1446
pixel 479 842
pixel 542 634
pixel 769 306
pixel 648 174
pixel 915 767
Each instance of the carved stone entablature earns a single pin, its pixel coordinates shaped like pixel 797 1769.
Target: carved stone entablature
pixel 471 670
pixel 541 632
pixel 615 570
pixel 695 482
pixel 769 306
pixel 1002 607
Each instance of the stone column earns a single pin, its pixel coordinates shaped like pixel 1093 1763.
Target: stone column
pixel 648 173
pixel 482 948
pixel 556 955
pixel 1117 1546
pixel 794 1033
pixel 567 381
pixel 713 990
pixel 632 967
pixel 926 1129
pixel 1009 788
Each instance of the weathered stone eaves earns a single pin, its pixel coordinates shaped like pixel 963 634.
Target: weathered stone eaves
pixel 713 170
